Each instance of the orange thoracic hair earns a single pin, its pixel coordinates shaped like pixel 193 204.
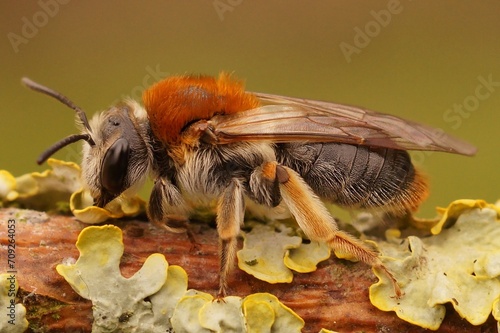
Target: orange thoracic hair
pixel 177 101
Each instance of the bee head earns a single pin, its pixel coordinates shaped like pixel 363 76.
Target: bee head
pixel 116 150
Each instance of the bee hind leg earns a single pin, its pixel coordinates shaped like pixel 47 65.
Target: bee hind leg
pixel 317 223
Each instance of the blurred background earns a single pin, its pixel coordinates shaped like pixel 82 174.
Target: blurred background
pixel 436 62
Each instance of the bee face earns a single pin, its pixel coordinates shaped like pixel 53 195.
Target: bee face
pixel 120 157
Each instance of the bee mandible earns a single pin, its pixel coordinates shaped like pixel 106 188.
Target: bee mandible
pixel 206 141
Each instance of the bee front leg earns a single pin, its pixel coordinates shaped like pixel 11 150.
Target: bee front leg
pixel 317 223
pixel 230 215
pixel 167 208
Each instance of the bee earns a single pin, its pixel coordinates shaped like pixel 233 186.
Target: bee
pixel 207 141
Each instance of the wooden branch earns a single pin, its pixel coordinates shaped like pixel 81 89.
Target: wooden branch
pixel 334 297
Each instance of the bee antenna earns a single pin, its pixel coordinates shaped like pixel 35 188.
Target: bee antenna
pixel 63 143
pixel 61 98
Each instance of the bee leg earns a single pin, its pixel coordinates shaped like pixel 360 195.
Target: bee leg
pixel 230 214
pixel 264 186
pixel 167 208
pixel 317 223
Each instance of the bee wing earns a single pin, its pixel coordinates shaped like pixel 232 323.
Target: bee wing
pixel 286 119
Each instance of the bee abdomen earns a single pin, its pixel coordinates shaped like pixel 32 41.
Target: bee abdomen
pixel 357 176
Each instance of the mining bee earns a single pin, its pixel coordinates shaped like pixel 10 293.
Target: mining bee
pixel 207 141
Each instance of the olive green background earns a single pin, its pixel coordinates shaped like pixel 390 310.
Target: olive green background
pixel 416 62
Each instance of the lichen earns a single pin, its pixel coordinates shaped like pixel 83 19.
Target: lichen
pixel 52 190
pixel 166 299
pixel 81 205
pixel 186 314
pixel 456 208
pixel 262 312
pixel 40 190
pixel 272 250
pixel 264 251
pixel 199 312
pixel 119 304
pixel 306 257
pixel 13 319
pixel 7 186
pixel 460 266
pixel 266 313
pixel 156 299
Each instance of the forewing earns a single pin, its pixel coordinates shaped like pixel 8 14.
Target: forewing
pixel 285 119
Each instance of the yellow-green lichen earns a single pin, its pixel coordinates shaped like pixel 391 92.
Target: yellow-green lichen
pixel 199 312
pixel 283 319
pixel 459 266
pixel 119 304
pixel 7 186
pixel 166 299
pixel 270 251
pixel 306 257
pixel 223 316
pixel 263 252
pixel 41 190
pixel 456 208
pixel 13 319
pixel 81 204
pixel 186 314
pixel 53 189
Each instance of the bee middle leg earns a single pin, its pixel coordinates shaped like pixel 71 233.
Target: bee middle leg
pixel 230 215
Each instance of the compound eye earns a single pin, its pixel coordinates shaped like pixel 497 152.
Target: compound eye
pixel 114 166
